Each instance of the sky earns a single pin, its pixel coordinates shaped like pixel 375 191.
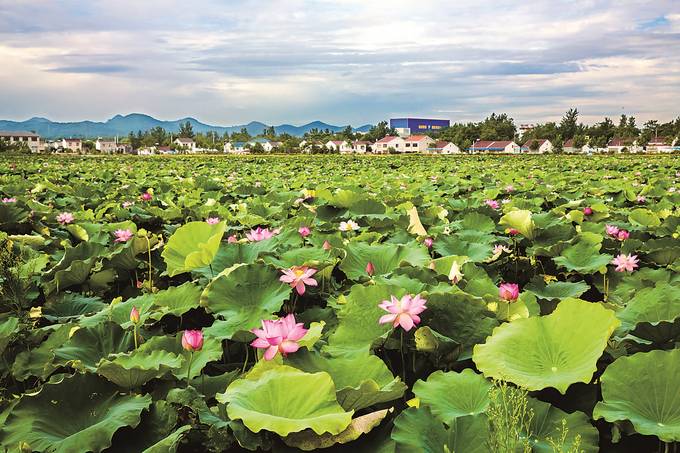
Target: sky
pixel 343 62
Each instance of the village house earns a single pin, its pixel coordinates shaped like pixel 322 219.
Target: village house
pixel 360 146
pixel 390 142
pixel 72 144
pixel 186 143
pixel 619 145
pixel 29 138
pixel 106 146
pixel 495 146
pixel 443 147
pixel 417 143
pixel 236 147
pixel 334 145
pixel 660 145
pixel 541 145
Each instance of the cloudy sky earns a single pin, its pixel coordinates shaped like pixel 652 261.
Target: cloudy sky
pixel 351 61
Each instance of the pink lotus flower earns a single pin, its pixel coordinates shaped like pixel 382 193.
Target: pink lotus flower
pixel 403 312
pixel 212 220
pixel 587 210
pixel 641 199
pixel 508 292
pixel 9 200
pixel 146 196
pixel 298 277
pixel 304 231
pixel 123 235
pixel 622 235
pixel 513 231
pixel 625 263
pixel 427 242
pixel 281 335
pixel 493 204
pixel 260 234
pixel 509 188
pixel 232 239
pixel 65 218
pixel 127 204
pixel 327 245
pixel 192 340
pixel 370 269
pixel 134 315
pixel 499 248
pixel 612 230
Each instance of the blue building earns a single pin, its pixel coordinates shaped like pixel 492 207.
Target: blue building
pixel 414 126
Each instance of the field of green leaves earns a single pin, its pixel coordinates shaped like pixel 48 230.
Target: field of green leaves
pixel 374 304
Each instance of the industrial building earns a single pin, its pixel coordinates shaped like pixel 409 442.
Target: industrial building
pixel 408 126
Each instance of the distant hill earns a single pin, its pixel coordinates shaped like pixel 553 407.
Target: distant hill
pixel 124 124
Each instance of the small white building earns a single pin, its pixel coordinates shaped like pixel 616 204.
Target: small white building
pixel 660 145
pixel 29 138
pixel 542 146
pixel 619 145
pixel 495 146
pixel 186 143
pixel 72 144
pixel 334 145
pixel 443 147
pixel 106 146
pixel 236 148
pixel 418 144
pixel 390 142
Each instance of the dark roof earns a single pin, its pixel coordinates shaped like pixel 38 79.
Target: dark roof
pixel 18 134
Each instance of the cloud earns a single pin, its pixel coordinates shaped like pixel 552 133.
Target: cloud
pixel 345 62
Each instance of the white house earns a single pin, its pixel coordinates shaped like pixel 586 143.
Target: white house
pixel 236 148
pixel 361 146
pixel 417 143
pixel 619 145
pixel 334 145
pixel 495 146
pixel 106 146
pixel 443 147
pixel 384 145
pixel 267 145
pixel 659 145
pixel 72 144
pixel 544 146
pixel 186 143
pixel 32 140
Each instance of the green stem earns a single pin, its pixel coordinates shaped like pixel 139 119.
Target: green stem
pixel 191 359
pixel 135 335
pixel 245 362
pixel 401 351
pixel 212 274
pixel 148 246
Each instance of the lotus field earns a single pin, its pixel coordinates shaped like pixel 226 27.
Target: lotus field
pixel 374 304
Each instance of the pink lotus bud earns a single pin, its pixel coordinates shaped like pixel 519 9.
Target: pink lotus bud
pixel 622 235
pixel 146 196
pixel 587 210
pixel 428 242
pixel 232 239
pixel 370 269
pixel 326 245
pixel 304 231
pixel 508 292
pixel 134 315
pixel 513 231
pixel 192 340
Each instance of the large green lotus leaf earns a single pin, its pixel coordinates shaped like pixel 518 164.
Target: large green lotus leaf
pixel 644 218
pixel 40 361
pixel 385 258
pixel 7 329
pixel 71 305
pixel 417 430
pixel 88 345
pixel 361 380
pixel 176 300
pixel 478 222
pixel 192 246
pixel 460 317
pixel 451 395
pixel 583 257
pixel 468 434
pixel 211 351
pixel 308 440
pixel 134 369
pixel 74 267
pixel 80 413
pixel 546 424
pixel 556 350
pixel 358 318
pixel 521 221
pixel 120 312
pixel 244 296
pixel 285 400
pixel 643 388
pixel 556 290
pixel 657 305
pixel 476 251
pixel 307 256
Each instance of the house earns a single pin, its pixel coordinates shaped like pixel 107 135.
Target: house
pixel 542 145
pixel 166 150
pixel 619 145
pixel 236 148
pixel 72 144
pixel 417 143
pixel 659 145
pixel 334 145
pixel 390 142
pixel 361 146
pixel 311 146
pixel 29 138
pixel 186 143
pixel 524 128
pixel 146 151
pixel 444 148
pixel 494 146
pixel 267 145
pixel 106 146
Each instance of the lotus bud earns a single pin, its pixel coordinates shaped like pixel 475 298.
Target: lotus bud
pixel 192 340
pixel 134 315
pixel 304 231
pixel 326 245
pixel 508 292
pixel 370 269
pixel 587 210
pixel 428 242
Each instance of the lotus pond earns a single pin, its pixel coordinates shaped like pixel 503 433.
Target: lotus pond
pixel 377 304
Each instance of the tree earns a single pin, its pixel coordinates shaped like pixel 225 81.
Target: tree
pixel 568 125
pixel 380 130
pixel 497 127
pixel 257 149
pixel 269 132
pixel 534 146
pixel 186 130
pixel 558 145
pixel 579 141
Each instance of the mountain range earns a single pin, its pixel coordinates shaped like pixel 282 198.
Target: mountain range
pixel 121 125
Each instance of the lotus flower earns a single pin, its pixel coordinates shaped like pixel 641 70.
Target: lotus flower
pixel 427 242
pixel 513 231
pixel 612 230
pixel 587 210
pixel 455 275
pixel 498 249
pixel 508 292
pixel 625 263
pixel 304 231
pixel 146 196
pixel 281 335
pixel 123 235
pixel 9 200
pixel 327 245
pixel 260 234
pixel 403 312
pixel 509 188
pixel 134 315
pixel 493 204
pixel 298 277
pixel 370 269
pixel 622 235
pixel 65 218
pixel 350 225
pixel 192 340
pixel 641 199
pixel 212 220
pixel 127 204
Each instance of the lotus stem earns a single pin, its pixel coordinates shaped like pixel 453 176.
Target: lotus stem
pixel 212 274
pixel 191 359
pixel 134 334
pixel 403 361
pixel 148 246
pixel 245 362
